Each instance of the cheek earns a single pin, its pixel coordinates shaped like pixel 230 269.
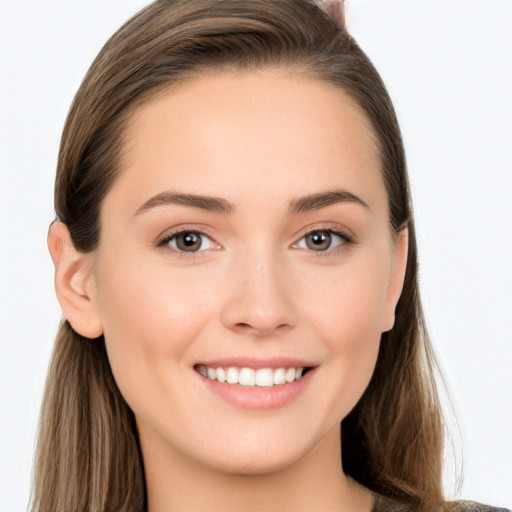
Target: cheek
pixel 149 317
pixel 348 302
pixel 346 315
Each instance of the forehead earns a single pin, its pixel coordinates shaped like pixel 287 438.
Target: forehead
pixel 229 134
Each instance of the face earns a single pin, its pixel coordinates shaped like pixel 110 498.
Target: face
pixel 246 238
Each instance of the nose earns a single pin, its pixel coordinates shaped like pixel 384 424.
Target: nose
pixel 259 298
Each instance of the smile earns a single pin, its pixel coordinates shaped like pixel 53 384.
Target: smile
pixel 262 377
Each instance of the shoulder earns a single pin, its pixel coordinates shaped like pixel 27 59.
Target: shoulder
pixel 382 504
pixel 471 506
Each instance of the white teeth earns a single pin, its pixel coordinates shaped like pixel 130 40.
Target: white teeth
pixel 262 377
pixel 232 376
pixel 279 376
pixel 220 374
pixel 247 377
pixel 290 375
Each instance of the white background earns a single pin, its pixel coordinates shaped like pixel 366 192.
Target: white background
pixel 448 66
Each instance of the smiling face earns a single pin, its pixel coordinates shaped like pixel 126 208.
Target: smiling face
pixel 248 229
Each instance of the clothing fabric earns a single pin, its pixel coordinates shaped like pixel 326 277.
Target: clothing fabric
pixel 382 504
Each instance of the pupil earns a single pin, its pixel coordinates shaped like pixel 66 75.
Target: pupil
pixel 188 242
pixel 319 241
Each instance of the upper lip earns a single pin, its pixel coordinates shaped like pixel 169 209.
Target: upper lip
pixel 251 362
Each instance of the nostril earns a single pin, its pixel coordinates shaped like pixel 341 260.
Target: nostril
pixel 259 330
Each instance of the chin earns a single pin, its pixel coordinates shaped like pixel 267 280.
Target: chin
pixel 264 453
pixel 256 464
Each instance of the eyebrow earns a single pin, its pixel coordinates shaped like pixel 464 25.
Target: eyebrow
pixel 213 204
pixel 208 203
pixel 324 199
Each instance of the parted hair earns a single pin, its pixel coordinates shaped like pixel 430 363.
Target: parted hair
pixel 88 456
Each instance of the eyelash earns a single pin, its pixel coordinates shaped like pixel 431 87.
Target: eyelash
pixel 167 238
pixel 346 239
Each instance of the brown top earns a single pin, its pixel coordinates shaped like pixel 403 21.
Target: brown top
pixel 382 504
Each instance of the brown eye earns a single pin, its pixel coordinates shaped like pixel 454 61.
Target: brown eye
pixel 189 241
pixel 323 240
pixel 318 240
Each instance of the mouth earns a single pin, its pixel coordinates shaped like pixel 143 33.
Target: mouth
pixel 252 377
pixel 258 385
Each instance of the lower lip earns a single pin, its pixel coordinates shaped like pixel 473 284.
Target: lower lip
pixel 258 398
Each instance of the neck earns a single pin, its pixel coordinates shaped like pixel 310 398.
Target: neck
pixel 315 482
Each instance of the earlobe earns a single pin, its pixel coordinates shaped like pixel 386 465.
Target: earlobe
pixel 74 282
pixel 396 279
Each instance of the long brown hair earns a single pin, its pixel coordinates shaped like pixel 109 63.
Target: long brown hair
pixel 88 457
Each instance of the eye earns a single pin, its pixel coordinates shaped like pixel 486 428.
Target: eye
pixel 188 241
pixel 322 240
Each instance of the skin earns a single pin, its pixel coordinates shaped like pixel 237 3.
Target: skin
pixel 259 141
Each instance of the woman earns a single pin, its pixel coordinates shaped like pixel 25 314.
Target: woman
pixel 236 262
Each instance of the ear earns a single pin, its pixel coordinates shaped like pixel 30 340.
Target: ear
pixel 74 282
pixel 396 279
